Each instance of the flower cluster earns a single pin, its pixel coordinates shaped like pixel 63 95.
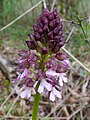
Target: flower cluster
pixel 48 29
pixel 43 66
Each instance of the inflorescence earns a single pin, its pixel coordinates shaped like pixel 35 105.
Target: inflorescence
pixel 43 66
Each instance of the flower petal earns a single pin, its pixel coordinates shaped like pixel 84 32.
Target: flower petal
pixel 40 88
pixel 63 77
pixel 33 90
pixel 60 81
pixel 23 94
pixel 66 61
pixel 52 96
pixel 18 78
pixel 26 94
pixel 47 85
pixel 51 73
pixel 57 93
pixel 24 74
pixel 35 84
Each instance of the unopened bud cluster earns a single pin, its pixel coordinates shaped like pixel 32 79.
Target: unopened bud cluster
pixel 48 31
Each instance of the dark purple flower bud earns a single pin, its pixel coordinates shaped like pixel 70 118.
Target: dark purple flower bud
pixel 32 44
pixel 62 39
pixel 29 44
pixel 43 38
pixel 56 38
pixel 55 31
pixel 40 30
pixel 57 21
pixel 29 82
pixel 51 16
pixel 45 28
pixel 61 44
pixel 56 48
pixel 55 13
pixel 61 32
pixel 40 24
pixel 59 27
pixel 31 36
pixel 44 50
pixel 61 56
pixel 51 24
pixel 50 35
pixel 35 27
pixel 46 12
pixel 44 20
pixel 37 36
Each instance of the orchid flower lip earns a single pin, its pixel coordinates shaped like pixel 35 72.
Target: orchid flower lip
pixel 26 93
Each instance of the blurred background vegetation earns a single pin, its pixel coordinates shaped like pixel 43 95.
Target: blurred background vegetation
pixel 73 13
pixel 69 10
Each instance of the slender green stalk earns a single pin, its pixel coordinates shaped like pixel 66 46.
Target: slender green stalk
pixel 37 98
pixel 35 107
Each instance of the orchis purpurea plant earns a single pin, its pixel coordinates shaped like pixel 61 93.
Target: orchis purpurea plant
pixel 43 67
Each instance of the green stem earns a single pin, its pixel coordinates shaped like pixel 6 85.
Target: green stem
pixel 35 107
pixel 36 104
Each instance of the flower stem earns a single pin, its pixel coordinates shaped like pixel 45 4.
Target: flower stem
pixel 35 107
pixel 36 104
